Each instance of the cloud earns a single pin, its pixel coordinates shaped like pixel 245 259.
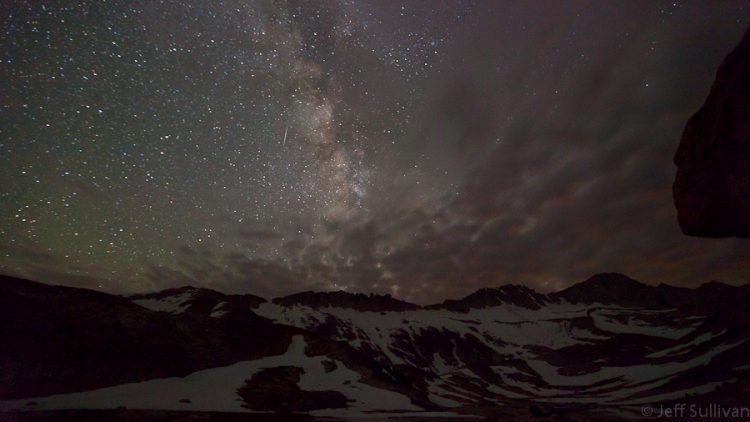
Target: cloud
pixel 230 273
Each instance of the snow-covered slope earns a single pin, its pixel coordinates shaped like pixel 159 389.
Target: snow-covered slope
pixel 215 390
pixel 509 352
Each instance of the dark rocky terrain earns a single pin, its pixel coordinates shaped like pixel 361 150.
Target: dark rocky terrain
pixel 359 301
pixel 276 390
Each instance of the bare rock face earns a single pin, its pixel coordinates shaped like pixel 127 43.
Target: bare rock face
pixel 277 390
pixel 712 187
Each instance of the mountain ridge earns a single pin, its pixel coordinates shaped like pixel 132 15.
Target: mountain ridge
pixel 598 287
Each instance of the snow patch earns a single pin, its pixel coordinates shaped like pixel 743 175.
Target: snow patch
pixel 176 304
pixel 218 311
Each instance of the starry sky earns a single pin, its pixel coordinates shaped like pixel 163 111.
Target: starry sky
pixel 422 149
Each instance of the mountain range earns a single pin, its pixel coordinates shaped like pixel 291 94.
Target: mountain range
pixel 602 348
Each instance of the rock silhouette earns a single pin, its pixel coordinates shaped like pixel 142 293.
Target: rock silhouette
pixel 712 187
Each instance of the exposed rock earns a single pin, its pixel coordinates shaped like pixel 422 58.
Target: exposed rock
pixel 712 187
pixel 277 389
pixel 341 299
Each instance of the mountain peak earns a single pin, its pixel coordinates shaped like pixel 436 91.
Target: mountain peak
pixel 511 294
pixel 612 279
pixel 611 288
pixel 716 285
pixel 171 292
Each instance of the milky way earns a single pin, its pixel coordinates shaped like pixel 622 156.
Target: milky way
pixel 421 149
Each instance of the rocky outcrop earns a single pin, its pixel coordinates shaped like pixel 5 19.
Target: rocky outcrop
pixel 277 390
pixel 341 299
pixel 712 187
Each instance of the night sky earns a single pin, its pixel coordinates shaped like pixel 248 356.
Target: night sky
pixel 421 149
